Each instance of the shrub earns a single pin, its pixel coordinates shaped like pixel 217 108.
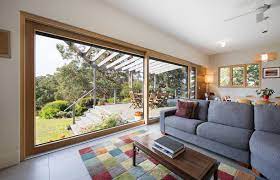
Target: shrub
pixel 86 102
pixel 111 121
pixel 50 110
pixel 101 102
pixel 61 114
pixel 68 114
pixel 111 100
pixel 126 100
pixel 137 86
pixel 79 110
pixel 125 90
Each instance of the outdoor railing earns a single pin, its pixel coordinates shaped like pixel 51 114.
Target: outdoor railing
pixel 73 105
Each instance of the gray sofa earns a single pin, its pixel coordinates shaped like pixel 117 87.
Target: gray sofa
pixel 221 127
pixel 226 128
pixel 265 141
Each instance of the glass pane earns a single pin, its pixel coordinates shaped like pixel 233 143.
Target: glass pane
pixel 167 83
pixel 224 76
pixel 76 94
pixel 253 75
pixel 238 76
pixel 185 82
pixel 193 83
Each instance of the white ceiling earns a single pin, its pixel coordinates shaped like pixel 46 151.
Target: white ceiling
pixel 200 23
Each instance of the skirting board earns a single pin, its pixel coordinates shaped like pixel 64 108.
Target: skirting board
pixel 8 159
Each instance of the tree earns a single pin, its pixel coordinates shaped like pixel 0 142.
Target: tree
pixel 76 77
pixel 169 81
pixel 45 90
pixel 73 80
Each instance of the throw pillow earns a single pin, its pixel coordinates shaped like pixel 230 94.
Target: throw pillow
pixel 185 109
pixel 194 113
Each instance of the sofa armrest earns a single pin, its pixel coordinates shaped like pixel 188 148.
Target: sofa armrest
pixel 163 115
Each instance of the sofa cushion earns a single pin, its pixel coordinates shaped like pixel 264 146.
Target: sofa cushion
pixel 183 124
pixel 267 118
pixel 231 136
pixel 201 111
pixel 267 146
pixel 185 109
pixel 214 146
pixel 265 167
pixel 231 114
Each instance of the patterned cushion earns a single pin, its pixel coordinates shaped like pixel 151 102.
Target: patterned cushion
pixel 185 109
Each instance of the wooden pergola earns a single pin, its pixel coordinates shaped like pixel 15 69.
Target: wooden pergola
pixel 102 59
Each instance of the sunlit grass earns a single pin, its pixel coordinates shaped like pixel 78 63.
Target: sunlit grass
pixel 48 130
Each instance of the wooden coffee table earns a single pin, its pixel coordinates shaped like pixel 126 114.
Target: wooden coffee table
pixel 189 165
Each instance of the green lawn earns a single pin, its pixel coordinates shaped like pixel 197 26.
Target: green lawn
pixel 48 130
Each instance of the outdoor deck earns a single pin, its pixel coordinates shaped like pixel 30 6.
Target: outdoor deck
pixel 125 110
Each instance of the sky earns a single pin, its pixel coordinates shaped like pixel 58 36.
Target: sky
pixel 48 59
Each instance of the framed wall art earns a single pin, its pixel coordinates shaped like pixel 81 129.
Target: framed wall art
pixel 271 72
pixel 5 44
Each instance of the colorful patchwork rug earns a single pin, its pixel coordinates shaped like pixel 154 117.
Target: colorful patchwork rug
pixel 113 160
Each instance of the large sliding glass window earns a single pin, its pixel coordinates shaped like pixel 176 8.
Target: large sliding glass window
pixel 167 83
pixel 76 86
pixel 82 88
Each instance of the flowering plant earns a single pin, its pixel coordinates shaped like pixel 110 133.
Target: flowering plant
pixel 138 113
pixel 265 92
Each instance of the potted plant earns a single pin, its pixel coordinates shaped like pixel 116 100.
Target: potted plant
pixel 138 115
pixel 265 93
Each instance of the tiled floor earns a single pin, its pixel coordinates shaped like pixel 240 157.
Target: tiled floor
pixel 67 165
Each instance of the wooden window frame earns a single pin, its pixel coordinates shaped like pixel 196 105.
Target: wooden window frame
pixel 30 23
pixel 30 147
pixel 245 75
pixel 260 75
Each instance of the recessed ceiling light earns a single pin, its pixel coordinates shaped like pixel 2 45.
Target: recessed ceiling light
pixel 264 57
pixel 222 43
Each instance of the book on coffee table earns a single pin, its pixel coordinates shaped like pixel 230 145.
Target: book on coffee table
pixel 167 153
pixel 189 164
pixel 169 144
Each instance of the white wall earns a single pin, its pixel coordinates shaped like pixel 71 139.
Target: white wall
pixel 243 57
pixel 88 14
